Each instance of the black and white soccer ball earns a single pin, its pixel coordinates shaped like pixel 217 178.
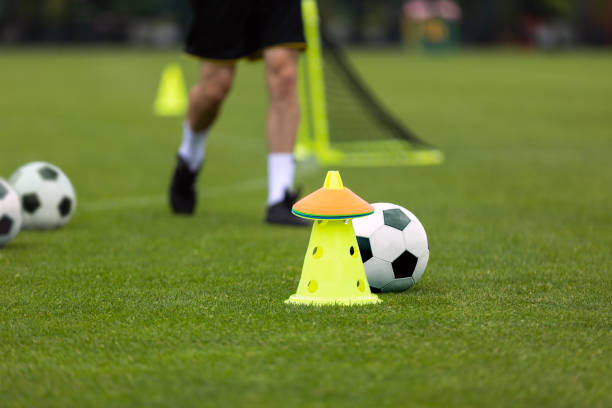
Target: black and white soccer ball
pixel 393 246
pixel 47 196
pixel 10 213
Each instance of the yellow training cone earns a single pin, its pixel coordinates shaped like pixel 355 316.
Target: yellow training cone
pixel 333 272
pixel 171 96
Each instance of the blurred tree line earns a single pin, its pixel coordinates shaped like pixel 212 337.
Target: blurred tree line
pixel 164 22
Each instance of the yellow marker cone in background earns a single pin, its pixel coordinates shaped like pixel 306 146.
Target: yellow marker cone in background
pixel 171 95
pixel 333 273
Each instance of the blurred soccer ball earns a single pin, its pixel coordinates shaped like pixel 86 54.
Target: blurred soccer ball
pixel 47 196
pixel 393 247
pixel 10 213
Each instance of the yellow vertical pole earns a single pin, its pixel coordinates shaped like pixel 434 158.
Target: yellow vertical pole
pixel 316 85
pixel 303 147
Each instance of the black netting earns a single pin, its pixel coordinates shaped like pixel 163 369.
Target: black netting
pixel 354 113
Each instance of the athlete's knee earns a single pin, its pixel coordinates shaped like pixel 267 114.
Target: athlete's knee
pixel 213 87
pixel 283 85
pixel 282 77
pixel 208 94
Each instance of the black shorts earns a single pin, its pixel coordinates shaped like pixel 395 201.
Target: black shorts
pixel 232 29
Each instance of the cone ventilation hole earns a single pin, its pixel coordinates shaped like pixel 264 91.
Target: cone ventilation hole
pixel 313 286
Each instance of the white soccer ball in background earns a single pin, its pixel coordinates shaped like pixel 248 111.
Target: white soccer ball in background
pixel 10 213
pixel 393 246
pixel 47 196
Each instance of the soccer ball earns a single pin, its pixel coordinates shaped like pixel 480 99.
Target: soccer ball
pixel 47 196
pixel 10 213
pixel 393 247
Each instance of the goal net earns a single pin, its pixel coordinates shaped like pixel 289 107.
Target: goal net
pixel 343 122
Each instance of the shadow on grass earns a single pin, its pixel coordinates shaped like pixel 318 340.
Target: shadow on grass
pixel 420 291
pixel 18 246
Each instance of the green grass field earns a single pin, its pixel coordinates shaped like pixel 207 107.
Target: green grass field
pixel 130 306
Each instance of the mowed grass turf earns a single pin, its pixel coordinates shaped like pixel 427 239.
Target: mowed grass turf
pixel 131 306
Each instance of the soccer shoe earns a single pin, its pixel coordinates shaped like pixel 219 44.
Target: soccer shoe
pixel 280 213
pixel 182 192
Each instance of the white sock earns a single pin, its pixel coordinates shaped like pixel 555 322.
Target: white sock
pixel 281 170
pixel 192 147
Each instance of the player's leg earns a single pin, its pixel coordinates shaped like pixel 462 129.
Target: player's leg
pixel 284 109
pixel 283 121
pixel 205 101
pixel 207 96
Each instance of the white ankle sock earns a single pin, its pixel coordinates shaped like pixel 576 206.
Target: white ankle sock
pixel 281 170
pixel 192 147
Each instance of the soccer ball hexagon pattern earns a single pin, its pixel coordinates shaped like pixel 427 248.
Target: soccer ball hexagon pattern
pixel 47 197
pixel 393 247
pixel 10 213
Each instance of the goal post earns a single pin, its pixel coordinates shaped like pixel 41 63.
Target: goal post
pixel 352 131
pixel 312 92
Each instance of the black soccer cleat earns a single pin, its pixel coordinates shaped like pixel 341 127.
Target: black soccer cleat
pixel 182 192
pixel 281 214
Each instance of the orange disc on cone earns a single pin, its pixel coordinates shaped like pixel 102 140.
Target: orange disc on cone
pixel 332 202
